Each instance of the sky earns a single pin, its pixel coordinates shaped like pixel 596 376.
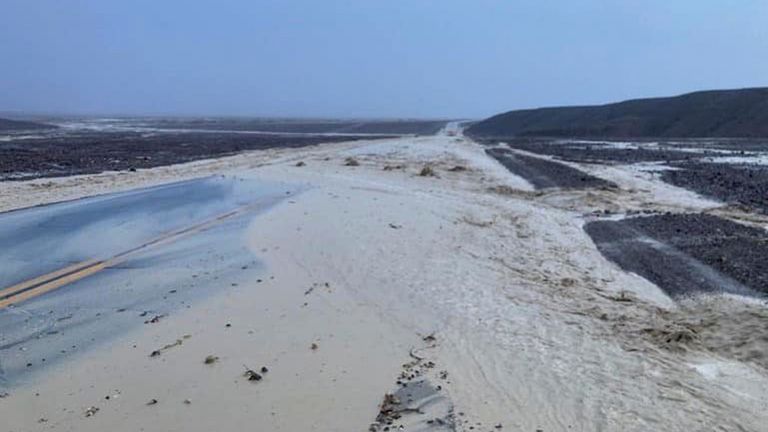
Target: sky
pixel 369 58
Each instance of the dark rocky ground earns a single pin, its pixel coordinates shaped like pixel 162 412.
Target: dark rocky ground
pixel 687 253
pixel 546 174
pixel 597 152
pixel 405 127
pixel 303 126
pixel 85 152
pixel 742 184
pixel 16 125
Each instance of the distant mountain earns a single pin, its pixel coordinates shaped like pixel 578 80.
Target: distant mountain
pixel 8 125
pixel 718 113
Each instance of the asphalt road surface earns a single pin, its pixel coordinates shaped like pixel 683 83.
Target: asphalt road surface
pixel 75 273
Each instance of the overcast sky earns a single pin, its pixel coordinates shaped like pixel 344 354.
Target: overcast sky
pixel 369 58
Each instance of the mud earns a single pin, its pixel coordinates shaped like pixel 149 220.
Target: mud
pixel 544 174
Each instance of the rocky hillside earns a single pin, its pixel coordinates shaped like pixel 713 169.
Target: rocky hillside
pixel 718 113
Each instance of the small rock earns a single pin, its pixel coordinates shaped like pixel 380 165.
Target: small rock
pixel 427 171
pixel 252 375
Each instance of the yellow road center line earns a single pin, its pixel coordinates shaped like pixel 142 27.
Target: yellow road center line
pixel 44 278
pixel 52 285
pixel 67 275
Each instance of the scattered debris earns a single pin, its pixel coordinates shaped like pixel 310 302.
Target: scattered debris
pixel 156 353
pixel 674 337
pixel 623 297
pixel 264 369
pixel 211 359
pixel 504 190
pixel 417 404
pixel 430 338
pixel 155 319
pixel 476 223
pixel 90 412
pixel 350 161
pixel 393 167
pixel 251 374
pixel 427 171
pixel 457 168
pixel 421 398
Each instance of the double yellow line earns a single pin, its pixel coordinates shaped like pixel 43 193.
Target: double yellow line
pixel 72 273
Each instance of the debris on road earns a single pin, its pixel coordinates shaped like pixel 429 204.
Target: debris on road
pixel 155 319
pixel 427 171
pixel 251 374
pixel 178 342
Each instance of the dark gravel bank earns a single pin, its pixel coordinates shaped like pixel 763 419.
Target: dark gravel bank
pixel 687 253
pixel 546 174
pixel 394 127
pixel 87 152
pixel 19 125
pixel 746 185
pixel 595 152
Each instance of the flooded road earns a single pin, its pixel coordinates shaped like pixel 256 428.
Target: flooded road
pixel 77 272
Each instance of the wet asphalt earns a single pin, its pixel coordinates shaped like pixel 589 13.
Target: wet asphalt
pixel 151 282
